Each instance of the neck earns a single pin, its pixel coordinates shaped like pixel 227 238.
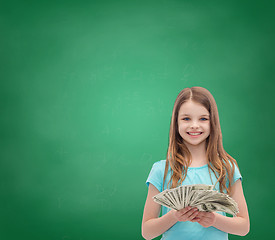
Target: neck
pixel 198 155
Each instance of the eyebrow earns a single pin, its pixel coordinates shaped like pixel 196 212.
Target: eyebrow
pixel 189 115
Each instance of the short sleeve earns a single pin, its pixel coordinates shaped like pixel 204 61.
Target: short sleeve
pixel 237 175
pixel 156 175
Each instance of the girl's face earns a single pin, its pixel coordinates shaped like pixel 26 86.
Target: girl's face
pixel 193 118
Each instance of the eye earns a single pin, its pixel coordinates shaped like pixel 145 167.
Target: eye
pixel 204 119
pixel 186 118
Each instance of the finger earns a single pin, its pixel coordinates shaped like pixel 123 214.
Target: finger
pixel 186 216
pixel 181 214
pixel 192 213
pixel 195 219
pixel 185 210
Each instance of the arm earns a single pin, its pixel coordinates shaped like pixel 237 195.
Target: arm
pixel 153 225
pixel 238 225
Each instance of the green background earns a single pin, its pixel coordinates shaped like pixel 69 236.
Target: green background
pixel 87 92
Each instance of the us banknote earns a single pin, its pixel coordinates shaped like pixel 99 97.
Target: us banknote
pixel 201 196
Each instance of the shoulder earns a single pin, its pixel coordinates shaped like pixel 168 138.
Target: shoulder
pixel 235 171
pixel 158 167
pixel 235 167
pixel 156 174
pixel 160 164
pixel 233 164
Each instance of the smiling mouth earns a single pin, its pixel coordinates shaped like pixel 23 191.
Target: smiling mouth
pixel 194 134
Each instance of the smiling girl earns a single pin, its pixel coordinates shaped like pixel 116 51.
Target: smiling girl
pixel 195 155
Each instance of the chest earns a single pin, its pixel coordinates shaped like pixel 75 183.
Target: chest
pixel 198 176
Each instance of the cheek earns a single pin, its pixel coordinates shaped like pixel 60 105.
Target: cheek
pixel 207 126
pixel 182 128
pixel 181 131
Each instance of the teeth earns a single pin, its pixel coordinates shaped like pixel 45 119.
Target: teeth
pixel 194 133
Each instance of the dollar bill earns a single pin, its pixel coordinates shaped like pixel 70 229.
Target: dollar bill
pixel 201 196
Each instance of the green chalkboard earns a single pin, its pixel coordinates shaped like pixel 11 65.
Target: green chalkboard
pixel 87 91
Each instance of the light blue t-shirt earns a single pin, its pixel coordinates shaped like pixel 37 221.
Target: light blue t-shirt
pixel 195 175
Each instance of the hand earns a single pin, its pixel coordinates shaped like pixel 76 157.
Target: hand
pixel 206 219
pixel 185 214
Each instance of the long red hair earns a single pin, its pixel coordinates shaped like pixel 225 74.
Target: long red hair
pixel 179 157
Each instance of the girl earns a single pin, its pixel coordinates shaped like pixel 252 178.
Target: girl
pixel 195 155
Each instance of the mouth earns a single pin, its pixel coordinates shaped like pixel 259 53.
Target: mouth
pixel 194 133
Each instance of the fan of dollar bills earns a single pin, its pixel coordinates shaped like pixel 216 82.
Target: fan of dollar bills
pixel 200 196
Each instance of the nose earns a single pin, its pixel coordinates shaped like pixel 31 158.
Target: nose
pixel 194 125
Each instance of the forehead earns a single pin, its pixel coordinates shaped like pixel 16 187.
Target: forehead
pixel 192 108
